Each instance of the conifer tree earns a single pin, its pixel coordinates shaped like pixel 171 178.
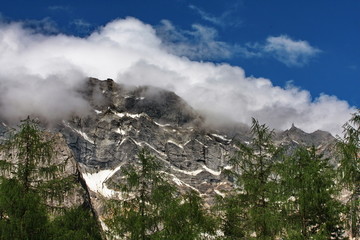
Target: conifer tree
pixel 184 218
pixel 151 207
pixel 75 224
pixel 309 207
pixel 349 171
pixel 250 212
pixel 22 216
pixel 29 180
pixel 27 156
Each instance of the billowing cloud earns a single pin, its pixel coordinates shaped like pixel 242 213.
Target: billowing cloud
pixel 40 75
pixel 290 52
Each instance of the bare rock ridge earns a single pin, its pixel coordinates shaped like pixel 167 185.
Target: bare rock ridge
pixel 158 104
pixel 125 119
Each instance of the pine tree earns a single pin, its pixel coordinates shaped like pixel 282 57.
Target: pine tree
pixel 349 171
pixel 251 210
pixel 309 207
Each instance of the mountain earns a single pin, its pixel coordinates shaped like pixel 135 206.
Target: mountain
pixel 125 119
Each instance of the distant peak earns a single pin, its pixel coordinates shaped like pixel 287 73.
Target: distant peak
pixel 294 128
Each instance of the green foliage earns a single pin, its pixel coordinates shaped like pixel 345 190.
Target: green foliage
pixel 75 224
pixel 234 216
pixel 29 181
pixel 309 207
pixel 152 208
pixel 22 216
pixel 250 211
pixel 185 219
pixel 145 192
pixel 28 154
pixel 349 171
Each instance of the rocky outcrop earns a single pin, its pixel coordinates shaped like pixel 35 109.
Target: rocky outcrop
pixel 125 119
pixel 63 157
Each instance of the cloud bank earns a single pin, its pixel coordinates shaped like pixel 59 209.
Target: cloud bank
pixel 39 74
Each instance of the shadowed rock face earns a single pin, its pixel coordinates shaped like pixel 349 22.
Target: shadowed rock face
pixel 158 104
pixel 125 119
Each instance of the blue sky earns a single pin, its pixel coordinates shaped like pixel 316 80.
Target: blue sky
pixel 308 45
pixel 333 27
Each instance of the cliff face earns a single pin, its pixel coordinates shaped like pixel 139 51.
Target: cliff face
pixel 62 156
pixel 124 120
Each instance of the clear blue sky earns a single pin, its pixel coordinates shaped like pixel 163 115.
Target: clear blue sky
pixel 325 34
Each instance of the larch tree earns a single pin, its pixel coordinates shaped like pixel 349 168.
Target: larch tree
pixel 152 208
pixel 349 171
pixel 31 185
pixel 250 211
pixel 308 194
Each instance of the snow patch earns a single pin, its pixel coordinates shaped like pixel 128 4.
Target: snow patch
pixel 157 151
pixel 162 125
pixel 123 140
pixel 228 167
pixel 175 143
pixel 221 137
pixel 213 172
pixel 200 142
pixel 97 111
pixel 219 193
pixel 135 116
pixel 182 183
pixel 191 173
pixel 120 131
pixel 96 181
pixel 177 181
pixel 83 134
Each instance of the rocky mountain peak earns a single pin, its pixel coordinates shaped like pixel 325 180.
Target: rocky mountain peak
pixel 159 104
pixel 126 119
pixel 298 136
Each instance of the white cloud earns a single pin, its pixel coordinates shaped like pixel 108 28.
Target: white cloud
pixel 227 18
pixel 40 75
pixel 290 52
pixel 200 43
